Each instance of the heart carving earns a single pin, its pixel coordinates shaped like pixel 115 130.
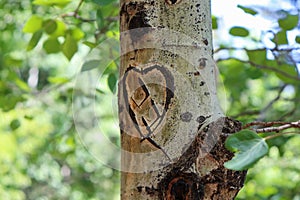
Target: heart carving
pixel 147 93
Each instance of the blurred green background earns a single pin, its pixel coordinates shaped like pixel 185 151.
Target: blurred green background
pixel 59 134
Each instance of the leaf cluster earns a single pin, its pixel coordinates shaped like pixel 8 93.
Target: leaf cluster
pixel 41 154
pixel 261 80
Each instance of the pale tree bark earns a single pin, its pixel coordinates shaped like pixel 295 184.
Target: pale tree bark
pixel 172 127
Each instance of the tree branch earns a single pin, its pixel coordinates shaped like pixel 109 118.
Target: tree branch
pixel 271 126
pixel 279 134
pixel 262 112
pixel 282 49
pixel 76 15
pixel 291 112
pixel 256 112
pixel 78 7
pixel 275 99
pixel 264 124
pixel 272 69
pixel 263 67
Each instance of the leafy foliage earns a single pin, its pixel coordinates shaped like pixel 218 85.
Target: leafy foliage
pixel 247 10
pixel 62 35
pixel 239 31
pixel 289 22
pixel 42 156
pixel 261 79
pixel 249 147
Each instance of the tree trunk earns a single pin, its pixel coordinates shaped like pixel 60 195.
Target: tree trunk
pixel 172 128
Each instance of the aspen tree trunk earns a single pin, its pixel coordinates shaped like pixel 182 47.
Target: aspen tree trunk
pixel 172 129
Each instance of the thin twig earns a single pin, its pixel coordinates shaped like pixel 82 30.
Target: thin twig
pixel 113 19
pixel 264 67
pixel 269 126
pixel 269 105
pixel 282 49
pixel 275 99
pixel 78 7
pixel 76 15
pixel 272 69
pixel 291 112
pixel 263 124
pixel 280 134
pixel 274 136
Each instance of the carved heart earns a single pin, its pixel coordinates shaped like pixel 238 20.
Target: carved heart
pixel 148 92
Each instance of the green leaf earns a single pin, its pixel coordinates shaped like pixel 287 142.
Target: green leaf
pixel 234 71
pixel 33 24
pixel 28 117
pixel 109 10
pixel 280 38
pixel 59 3
pixel 12 61
pixel 100 19
pixel 49 26
pixel 34 40
pixel 52 45
pixel 103 2
pixel 58 80
pixel 289 22
pixel 100 91
pixel 247 10
pixel 248 148
pixel 288 69
pixel 112 81
pixel 214 22
pixel 257 56
pixel 69 47
pixel 14 124
pixel 22 85
pixel 9 101
pixel 90 44
pixel 91 64
pixel 239 31
pixel 111 68
pixel 77 34
pixel 279 142
pixel 60 29
pixel 297 39
pixel 254 73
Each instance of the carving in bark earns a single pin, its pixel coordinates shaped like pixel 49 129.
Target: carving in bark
pixel 148 92
pixel 172 128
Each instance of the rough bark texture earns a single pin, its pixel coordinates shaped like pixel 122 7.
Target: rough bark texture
pixel 172 129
